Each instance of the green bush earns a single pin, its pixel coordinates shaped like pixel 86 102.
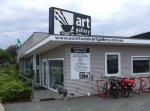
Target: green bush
pixel 29 74
pixel 14 91
pixel 28 83
pixel 4 78
pixel 11 71
pixel 11 87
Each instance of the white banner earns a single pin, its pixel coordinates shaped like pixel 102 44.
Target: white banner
pixel 80 63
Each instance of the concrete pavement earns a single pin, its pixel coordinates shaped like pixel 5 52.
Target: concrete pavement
pixel 1 107
pixel 41 94
pixel 92 103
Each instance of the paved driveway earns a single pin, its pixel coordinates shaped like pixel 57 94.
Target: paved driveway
pixel 92 103
pixel 1 107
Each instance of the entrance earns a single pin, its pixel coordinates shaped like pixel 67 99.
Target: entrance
pixel 56 76
pixel 52 73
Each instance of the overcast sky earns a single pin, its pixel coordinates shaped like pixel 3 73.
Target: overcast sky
pixel 20 18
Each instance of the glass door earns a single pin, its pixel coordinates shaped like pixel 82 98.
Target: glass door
pixel 44 74
pixel 38 74
pixel 55 73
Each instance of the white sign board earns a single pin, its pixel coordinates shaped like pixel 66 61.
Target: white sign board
pixel 65 22
pixel 80 63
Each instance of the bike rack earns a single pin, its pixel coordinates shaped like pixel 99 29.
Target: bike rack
pixel 141 85
pixel 99 83
pixel 146 88
pixel 149 83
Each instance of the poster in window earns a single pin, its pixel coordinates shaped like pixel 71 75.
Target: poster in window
pixel 80 63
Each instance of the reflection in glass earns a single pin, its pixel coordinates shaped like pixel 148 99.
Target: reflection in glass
pixel 141 65
pixel 45 73
pixel 55 73
pixel 112 64
pixel 37 76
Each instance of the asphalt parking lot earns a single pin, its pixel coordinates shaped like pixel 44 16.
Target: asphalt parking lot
pixel 92 103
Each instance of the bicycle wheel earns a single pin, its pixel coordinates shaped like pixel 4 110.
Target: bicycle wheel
pixel 105 89
pixel 115 93
pixel 126 91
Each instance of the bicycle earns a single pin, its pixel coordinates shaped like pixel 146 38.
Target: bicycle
pixel 116 85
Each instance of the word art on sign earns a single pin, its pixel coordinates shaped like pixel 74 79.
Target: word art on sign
pixel 68 23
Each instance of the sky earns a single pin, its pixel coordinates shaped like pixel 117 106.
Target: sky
pixel 20 18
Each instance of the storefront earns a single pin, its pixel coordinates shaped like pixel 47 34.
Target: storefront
pixel 75 61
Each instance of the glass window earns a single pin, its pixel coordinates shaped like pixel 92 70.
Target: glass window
pixel 56 73
pixel 45 82
pixel 37 76
pixel 112 63
pixel 29 64
pixel 141 64
pixel 37 59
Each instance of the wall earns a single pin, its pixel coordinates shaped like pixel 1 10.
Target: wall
pixel 58 52
pixel 81 87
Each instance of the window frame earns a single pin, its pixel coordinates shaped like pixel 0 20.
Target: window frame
pixel 132 65
pixel 119 63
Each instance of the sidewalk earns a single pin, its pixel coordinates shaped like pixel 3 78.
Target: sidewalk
pixel 45 94
pixel 1 107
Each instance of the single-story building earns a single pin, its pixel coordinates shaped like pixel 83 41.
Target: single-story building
pixel 76 61
pixel 71 61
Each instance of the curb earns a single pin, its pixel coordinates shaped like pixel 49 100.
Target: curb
pixel 1 107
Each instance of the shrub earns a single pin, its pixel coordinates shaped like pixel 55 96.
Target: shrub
pixel 14 90
pixel 28 83
pixel 29 74
pixel 11 88
pixel 11 71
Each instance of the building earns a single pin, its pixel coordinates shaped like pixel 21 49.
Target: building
pixel 142 36
pixel 75 60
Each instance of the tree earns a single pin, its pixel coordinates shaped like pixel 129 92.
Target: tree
pixel 12 53
pixel 11 50
pixel 3 57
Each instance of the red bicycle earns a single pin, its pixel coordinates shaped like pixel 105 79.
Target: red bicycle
pixel 117 85
pixel 127 85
